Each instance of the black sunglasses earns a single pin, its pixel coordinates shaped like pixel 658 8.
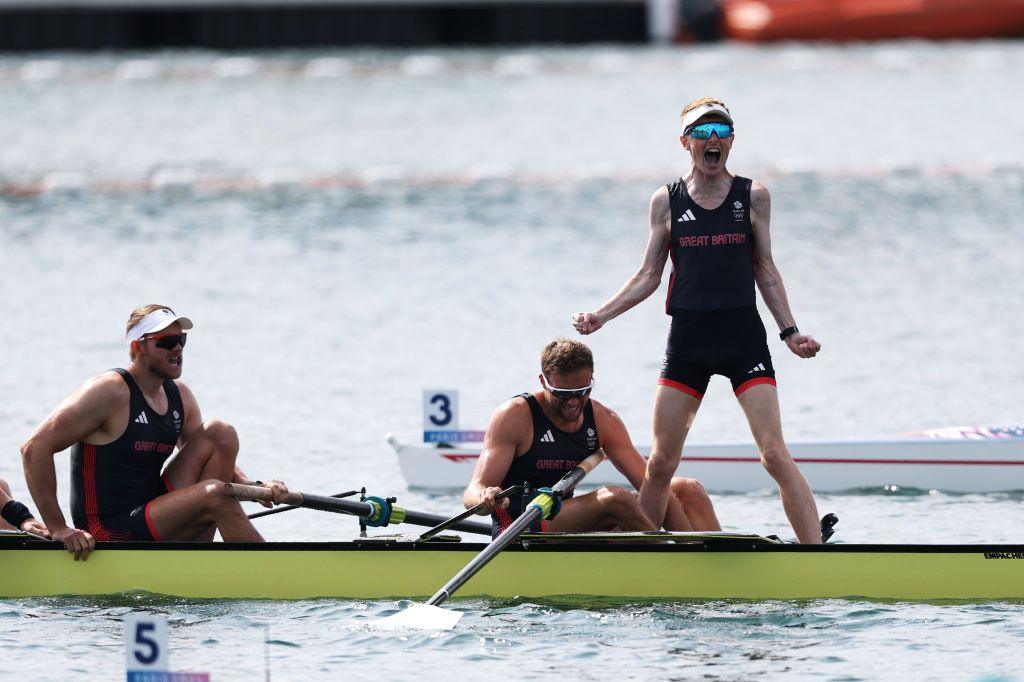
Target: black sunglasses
pixel 169 341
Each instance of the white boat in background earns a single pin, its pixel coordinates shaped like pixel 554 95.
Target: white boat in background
pixel 956 459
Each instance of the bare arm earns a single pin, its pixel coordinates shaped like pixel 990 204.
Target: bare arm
pixel 508 426
pixel 84 413
pixel 646 280
pixel 767 276
pixel 621 452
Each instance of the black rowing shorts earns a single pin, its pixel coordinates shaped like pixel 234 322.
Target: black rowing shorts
pixel 123 527
pixel 730 342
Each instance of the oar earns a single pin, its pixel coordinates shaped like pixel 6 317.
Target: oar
pixel 289 507
pixel 466 514
pixel 430 615
pixel 376 511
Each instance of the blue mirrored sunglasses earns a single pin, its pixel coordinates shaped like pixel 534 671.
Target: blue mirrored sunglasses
pixel 704 130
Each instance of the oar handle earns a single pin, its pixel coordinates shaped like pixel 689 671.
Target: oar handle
pixel 37 535
pixel 572 479
pixel 256 493
pixel 590 462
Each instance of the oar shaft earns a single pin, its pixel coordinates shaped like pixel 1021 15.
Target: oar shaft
pixel 361 509
pixel 255 493
pixel 509 535
pixel 289 507
pixel 429 520
pixel 466 514
pixel 411 517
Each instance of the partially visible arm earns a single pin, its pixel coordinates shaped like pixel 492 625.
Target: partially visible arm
pixel 193 416
pixel 507 427
pixel 83 413
pixel 767 276
pixel 621 452
pixel 646 280
pixel 30 525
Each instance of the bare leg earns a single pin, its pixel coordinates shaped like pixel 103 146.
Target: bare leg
pixel 673 414
pixel 761 405
pixel 695 504
pixel 209 454
pixel 602 509
pixel 189 513
pixel 676 518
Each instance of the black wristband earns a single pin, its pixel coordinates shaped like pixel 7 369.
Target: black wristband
pixel 15 513
pixel 787 332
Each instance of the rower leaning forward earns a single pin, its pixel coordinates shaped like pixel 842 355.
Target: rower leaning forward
pixel 536 438
pixel 122 426
pixel 714 226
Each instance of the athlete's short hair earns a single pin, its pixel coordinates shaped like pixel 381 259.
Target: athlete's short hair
pixel 699 102
pixel 563 356
pixel 137 315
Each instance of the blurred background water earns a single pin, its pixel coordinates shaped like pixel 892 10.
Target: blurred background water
pixel 347 228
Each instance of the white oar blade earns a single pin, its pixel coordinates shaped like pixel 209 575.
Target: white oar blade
pixel 421 617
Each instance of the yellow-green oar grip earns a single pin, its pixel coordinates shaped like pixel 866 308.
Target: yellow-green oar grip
pixel 546 504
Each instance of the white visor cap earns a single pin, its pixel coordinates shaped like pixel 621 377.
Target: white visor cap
pixel 161 318
pixel 697 113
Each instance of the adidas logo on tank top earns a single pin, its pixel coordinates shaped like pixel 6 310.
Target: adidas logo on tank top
pixel 686 217
pixel 141 419
pixel 547 437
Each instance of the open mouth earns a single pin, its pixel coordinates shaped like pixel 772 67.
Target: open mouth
pixel 174 360
pixel 712 155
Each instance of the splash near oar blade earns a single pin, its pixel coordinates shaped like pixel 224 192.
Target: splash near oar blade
pixel 544 506
pixel 421 617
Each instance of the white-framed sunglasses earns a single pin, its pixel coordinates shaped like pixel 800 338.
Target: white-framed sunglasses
pixel 567 393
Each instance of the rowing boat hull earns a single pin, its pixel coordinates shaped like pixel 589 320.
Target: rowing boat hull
pixel 980 466
pixel 372 570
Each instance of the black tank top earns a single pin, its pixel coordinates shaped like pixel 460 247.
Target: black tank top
pixel 712 251
pixel 552 454
pixel 118 477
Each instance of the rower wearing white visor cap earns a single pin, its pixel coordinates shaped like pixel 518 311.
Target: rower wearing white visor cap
pixel 714 226
pixel 123 426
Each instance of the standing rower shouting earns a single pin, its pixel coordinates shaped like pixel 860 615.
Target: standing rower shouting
pixel 123 425
pixel 714 226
